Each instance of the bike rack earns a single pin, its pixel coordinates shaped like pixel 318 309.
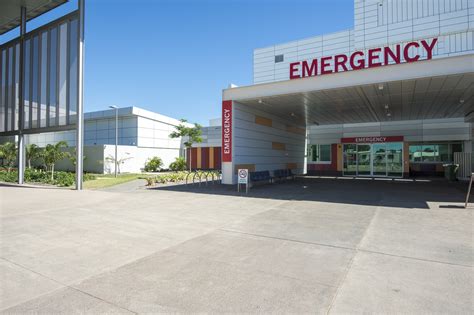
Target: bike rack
pixel 187 176
pixel 199 176
pixel 214 175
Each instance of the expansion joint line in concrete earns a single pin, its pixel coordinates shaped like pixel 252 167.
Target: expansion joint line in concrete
pixel 351 262
pixel 63 286
pixel 345 247
pixel 285 239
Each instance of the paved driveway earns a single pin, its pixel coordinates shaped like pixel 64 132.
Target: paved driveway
pixel 310 246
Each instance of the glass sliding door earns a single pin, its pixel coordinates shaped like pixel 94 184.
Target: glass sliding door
pixel 379 162
pixel 378 159
pixel 395 159
pixel 350 159
pixel 364 155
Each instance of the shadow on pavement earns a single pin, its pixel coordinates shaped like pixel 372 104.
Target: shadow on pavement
pixel 367 191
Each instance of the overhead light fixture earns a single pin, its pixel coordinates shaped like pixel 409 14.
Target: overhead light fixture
pixel 386 106
pixel 380 86
pixel 260 101
pixel 388 114
pixel 293 115
pixel 461 101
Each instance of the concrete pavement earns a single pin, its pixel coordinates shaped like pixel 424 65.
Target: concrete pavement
pixel 310 246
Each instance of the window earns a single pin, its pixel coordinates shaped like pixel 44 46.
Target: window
pixel 434 152
pixel 456 147
pixel 319 153
pixel 430 153
pixel 278 58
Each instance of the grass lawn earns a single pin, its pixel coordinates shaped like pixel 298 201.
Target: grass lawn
pixel 108 180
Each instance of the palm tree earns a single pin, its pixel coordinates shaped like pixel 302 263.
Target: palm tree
pixel 52 154
pixel 8 154
pixel 32 152
pixel 119 161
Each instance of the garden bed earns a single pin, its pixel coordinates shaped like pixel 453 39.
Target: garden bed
pixel 37 176
pixel 175 178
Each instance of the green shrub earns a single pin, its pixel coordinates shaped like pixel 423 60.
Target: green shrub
pixel 180 177
pixel 153 165
pixel 36 176
pixel 63 179
pixel 178 165
pixel 8 176
pixel 171 177
pixel 88 176
pixel 161 179
pixel 8 154
pixel 150 181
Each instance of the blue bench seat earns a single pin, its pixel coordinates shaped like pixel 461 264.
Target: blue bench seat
pixel 283 174
pixel 260 177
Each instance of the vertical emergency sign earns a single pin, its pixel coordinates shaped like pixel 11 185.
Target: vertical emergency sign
pixel 226 131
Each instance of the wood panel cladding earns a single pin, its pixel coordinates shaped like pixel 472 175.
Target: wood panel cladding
pixel 250 167
pixel 211 157
pixel 199 158
pixel 259 120
pixel 297 130
pixel 278 146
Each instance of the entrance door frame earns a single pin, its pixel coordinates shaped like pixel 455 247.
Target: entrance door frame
pixel 371 161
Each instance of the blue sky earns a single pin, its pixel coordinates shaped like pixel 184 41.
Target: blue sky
pixel 175 57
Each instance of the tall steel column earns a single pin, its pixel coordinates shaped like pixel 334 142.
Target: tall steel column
pixel 21 100
pixel 116 140
pixel 80 101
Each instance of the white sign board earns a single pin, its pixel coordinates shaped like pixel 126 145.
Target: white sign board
pixel 243 176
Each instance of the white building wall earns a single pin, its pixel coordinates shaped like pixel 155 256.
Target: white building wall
pixel 379 23
pixel 100 158
pixel 92 164
pixel 253 143
pixel 155 134
pixel 102 131
pixel 142 135
pixel 211 137
pixel 99 129
pixel 133 158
